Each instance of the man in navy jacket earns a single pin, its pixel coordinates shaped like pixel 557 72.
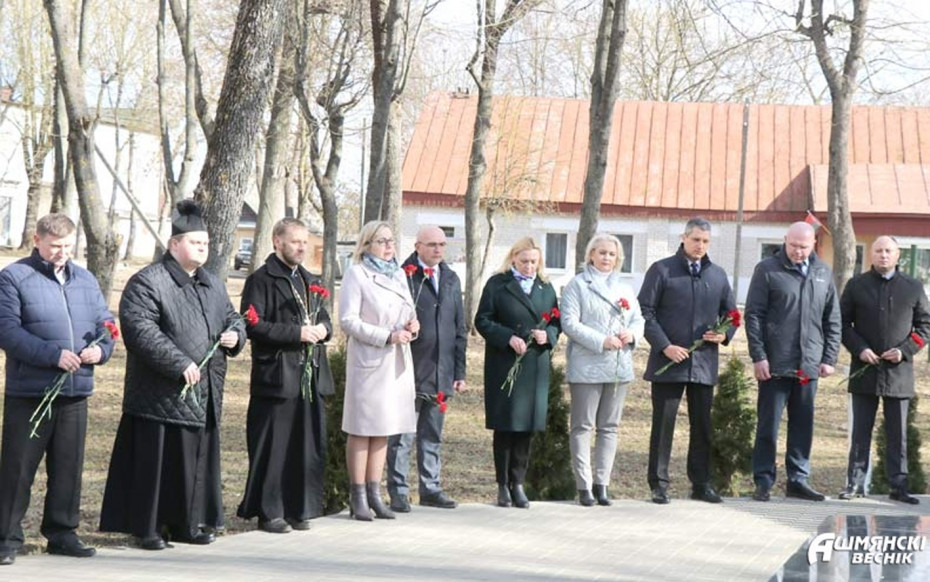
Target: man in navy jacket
pixel 50 311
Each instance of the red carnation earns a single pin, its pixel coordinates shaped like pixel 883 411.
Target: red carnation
pixel 319 290
pixel 547 317
pixel 251 316
pixel 410 270
pixel 624 304
pixel 440 397
pixel 443 407
pixel 917 339
pixel 428 271
pixel 111 327
pixel 735 317
pixel 555 313
pixel 803 378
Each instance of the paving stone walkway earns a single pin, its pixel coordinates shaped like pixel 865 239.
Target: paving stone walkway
pixel 632 540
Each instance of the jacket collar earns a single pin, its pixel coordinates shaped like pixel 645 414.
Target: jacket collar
pixel 442 267
pixel 46 268
pixel 513 287
pixel 813 261
pixel 686 262
pixel 277 268
pixel 392 283
pixel 180 276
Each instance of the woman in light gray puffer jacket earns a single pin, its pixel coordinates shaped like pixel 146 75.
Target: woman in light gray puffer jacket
pixel 602 319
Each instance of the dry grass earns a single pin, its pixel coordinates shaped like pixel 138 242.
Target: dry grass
pixel 468 470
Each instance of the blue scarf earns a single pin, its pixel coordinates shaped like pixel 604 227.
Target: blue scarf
pixel 526 282
pixel 386 268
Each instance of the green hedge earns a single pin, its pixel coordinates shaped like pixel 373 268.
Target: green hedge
pixel 336 477
pixel 916 479
pixel 733 419
pixel 549 476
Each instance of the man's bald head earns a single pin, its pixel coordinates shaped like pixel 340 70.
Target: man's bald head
pixel 799 242
pixel 430 245
pixel 885 254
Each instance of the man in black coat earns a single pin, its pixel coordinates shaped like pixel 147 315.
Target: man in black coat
pixel 439 368
pixel 285 427
pixel 793 327
pixel 164 475
pixel 682 298
pixel 886 321
pixel 51 310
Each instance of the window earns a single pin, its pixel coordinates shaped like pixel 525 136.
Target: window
pixel 556 250
pixel 626 241
pixel 860 252
pixel 768 249
pixel 921 261
pixel 449 231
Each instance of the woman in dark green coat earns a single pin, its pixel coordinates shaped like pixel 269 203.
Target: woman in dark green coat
pixel 518 314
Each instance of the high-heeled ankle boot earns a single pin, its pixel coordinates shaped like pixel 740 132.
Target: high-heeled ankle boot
pixel 503 496
pixel 358 503
pixel 519 496
pixel 600 493
pixel 375 502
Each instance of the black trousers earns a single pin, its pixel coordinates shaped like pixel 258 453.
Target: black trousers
pixel 511 456
pixel 61 440
pixel 665 400
pixel 864 407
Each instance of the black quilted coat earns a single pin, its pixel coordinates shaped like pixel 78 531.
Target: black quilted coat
pixel 170 320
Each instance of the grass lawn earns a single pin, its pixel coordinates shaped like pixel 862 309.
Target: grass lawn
pixel 468 469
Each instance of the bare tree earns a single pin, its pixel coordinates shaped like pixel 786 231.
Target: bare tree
pixel 483 68
pixel 324 106
pixel 242 102
pixel 183 22
pixel 604 86
pixel 102 248
pixel 841 79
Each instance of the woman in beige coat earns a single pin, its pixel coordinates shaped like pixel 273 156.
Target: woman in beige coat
pixel 376 312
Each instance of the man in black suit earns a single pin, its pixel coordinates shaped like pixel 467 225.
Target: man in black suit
pixel 439 368
pixel 886 321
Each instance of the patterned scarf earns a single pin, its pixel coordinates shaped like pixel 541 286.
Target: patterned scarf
pixel 386 268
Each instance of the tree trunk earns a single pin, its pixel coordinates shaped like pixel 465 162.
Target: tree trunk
pixel 386 19
pixel 102 250
pixel 392 202
pixel 277 138
pixel 226 171
pixel 839 217
pixel 604 87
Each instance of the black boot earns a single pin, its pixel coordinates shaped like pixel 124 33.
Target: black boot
pixel 519 496
pixel 358 503
pixel 584 498
pixel 376 503
pixel 503 496
pixel 600 493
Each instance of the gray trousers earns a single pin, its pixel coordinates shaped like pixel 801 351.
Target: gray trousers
pixel 429 442
pixel 595 407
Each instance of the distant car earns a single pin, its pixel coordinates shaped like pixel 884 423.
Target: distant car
pixel 243 259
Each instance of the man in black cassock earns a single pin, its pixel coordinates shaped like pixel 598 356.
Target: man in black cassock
pixel 164 478
pixel 285 430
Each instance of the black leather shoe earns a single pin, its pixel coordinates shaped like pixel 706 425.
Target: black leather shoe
pixel 762 493
pixel 400 503
pixel 707 494
pixel 438 500
pixel 70 546
pixel 200 539
pixel 600 493
pixel 801 490
pixel 904 497
pixel 851 492
pixel 276 525
pixel 298 524
pixel 585 499
pixel 503 496
pixel 154 542
pixel 660 496
pixel 519 496
pixel 7 557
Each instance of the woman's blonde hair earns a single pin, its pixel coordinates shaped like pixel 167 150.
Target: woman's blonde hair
pixel 602 237
pixel 366 235
pixel 525 244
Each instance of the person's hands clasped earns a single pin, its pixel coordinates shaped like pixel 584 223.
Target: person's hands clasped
pixel 626 338
pixel 401 336
pixel 92 355
pixel 869 357
pixel 311 334
pixel 191 374
pixel 517 344
pixel 612 342
pixel 413 326
pixel 540 336
pixel 69 361
pixel 229 339
pixel 676 354
pixel 893 355
pixel 713 337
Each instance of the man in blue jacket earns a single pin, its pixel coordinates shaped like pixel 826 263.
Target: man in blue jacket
pixel 439 366
pixel 793 327
pixel 682 298
pixel 50 311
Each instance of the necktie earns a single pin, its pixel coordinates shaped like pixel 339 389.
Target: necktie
pixel 803 268
pixel 695 269
pixel 432 280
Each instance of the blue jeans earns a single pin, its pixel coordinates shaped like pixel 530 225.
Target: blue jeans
pixel 774 395
pixel 429 442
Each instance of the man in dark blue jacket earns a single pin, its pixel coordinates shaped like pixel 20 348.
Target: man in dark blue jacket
pixel 439 367
pixel 793 327
pixel 682 298
pixel 50 311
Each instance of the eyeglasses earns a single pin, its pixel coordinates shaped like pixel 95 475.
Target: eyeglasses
pixel 434 245
pixel 383 241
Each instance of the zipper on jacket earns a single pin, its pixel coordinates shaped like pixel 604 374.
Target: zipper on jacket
pixel 64 299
